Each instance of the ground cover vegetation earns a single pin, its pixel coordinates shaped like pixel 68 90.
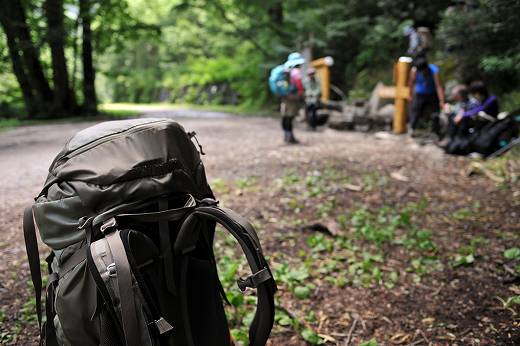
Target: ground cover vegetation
pixel 326 250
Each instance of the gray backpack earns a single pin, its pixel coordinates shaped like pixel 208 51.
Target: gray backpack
pixel 130 219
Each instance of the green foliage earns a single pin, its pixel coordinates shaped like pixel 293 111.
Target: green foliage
pixel 247 183
pixel 512 253
pixel 311 337
pixel 466 254
pixel 221 52
pixel 371 342
pixel 302 292
pixel 484 41
pixel 220 187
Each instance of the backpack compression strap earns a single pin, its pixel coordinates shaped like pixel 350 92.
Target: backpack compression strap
pixel 33 256
pixel 261 278
pixel 47 333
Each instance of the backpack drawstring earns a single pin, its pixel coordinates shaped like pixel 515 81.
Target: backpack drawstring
pixel 193 134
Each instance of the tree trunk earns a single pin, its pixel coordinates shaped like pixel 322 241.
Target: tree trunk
pixel 89 89
pixel 275 13
pixel 64 102
pixel 31 104
pixel 25 59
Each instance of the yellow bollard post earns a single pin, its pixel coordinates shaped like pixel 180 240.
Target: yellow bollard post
pixel 402 93
pixel 322 67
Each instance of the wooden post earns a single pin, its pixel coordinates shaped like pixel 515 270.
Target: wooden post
pixel 402 92
pixel 322 67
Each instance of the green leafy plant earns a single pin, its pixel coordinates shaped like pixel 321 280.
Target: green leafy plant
pixel 311 337
pixel 247 183
pixel 512 253
pixel 220 187
pixel 319 243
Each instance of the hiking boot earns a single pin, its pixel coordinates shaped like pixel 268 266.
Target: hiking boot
pixel 286 136
pixel 411 131
pixel 292 140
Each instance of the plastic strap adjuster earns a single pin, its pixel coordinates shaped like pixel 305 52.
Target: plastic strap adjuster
pixel 108 225
pixel 161 326
pixel 254 280
pixel 207 202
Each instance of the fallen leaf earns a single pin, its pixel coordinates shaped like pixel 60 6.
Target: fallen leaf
pixel 352 187
pixel 399 176
pixel 327 338
pixel 428 321
pixel 400 338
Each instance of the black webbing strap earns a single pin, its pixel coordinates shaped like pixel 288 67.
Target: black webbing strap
pixel 243 232
pixel 33 256
pixel 166 249
pixel 163 215
pixel 126 290
pixel 50 312
pixel 158 324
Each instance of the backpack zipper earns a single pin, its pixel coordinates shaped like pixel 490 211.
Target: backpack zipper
pixel 60 161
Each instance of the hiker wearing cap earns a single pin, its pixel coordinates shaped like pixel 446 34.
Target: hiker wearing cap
pixel 312 97
pixel 292 102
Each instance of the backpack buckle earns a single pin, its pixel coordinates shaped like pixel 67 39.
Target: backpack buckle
pixel 254 280
pixel 111 269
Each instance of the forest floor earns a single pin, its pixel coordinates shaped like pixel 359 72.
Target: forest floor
pixel 373 240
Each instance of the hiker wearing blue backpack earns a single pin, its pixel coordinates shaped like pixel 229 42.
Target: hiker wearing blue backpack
pixel 285 81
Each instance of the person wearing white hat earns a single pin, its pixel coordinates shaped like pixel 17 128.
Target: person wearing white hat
pixel 291 104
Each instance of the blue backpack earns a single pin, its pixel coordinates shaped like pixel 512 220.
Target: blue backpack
pixel 278 82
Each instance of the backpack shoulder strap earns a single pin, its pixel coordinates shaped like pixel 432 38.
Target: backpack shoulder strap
pixel 261 277
pixel 125 288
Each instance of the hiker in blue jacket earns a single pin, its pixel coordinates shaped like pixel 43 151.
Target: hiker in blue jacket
pixel 427 95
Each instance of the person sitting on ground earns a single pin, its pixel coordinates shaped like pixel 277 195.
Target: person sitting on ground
pixel 291 104
pixel 460 103
pixel 467 118
pixel 427 94
pixel 312 97
pixel 485 103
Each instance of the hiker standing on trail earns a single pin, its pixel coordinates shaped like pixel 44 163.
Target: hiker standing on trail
pixel 427 95
pixel 312 97
pixel 292 102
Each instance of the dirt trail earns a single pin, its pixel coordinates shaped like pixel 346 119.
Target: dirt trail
pixel 235 147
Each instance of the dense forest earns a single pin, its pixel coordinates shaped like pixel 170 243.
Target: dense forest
pixel 63 57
